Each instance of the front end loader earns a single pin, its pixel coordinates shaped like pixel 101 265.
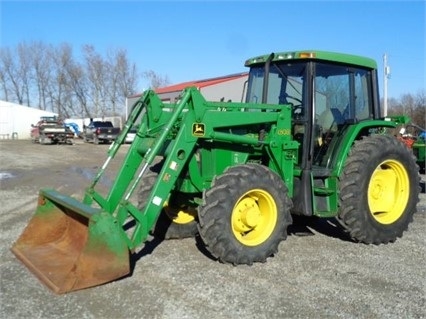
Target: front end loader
pixel 305 142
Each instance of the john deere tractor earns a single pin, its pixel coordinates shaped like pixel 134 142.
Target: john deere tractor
pixel 308 140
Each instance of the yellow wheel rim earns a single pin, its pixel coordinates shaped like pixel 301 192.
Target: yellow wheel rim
pixel 180 215
pixel 254 217
pixel 388 192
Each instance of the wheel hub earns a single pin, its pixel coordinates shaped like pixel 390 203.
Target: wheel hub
pixel 249 213
pixel 388 192
pixel 254 217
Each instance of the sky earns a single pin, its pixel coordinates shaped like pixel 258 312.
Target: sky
pixel 193 40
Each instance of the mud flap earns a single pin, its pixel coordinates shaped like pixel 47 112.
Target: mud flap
pixel 70 246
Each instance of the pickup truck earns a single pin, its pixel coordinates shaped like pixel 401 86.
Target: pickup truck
pixel 51 130
pixel 100 132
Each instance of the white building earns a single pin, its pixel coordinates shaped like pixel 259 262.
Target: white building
pixel 16 120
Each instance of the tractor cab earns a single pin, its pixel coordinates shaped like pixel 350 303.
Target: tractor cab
pixel 326 98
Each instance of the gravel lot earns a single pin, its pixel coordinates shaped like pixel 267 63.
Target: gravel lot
pixel 318 272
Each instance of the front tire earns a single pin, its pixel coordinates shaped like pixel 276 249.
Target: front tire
pixel 379 190
pixel 245 214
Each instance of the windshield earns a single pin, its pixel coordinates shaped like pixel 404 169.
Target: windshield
pixel 285 84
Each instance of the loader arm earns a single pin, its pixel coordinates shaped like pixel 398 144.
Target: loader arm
pixel 137 161
pixel 193 113
pixel 173 134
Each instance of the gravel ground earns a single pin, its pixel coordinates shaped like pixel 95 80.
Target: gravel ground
pixel 318 272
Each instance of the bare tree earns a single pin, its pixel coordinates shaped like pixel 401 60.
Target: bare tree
pixel 67 89
pixel 78 84
pixel 419 116
pixel 113 80
pixel 12 80
pixel 407 102
pixel 96 72
pixel 394 106
pixel 53 79
pixel 110 80
pixel 24 70
pixel 42 64
pixel 3 82
pixel 3 76
pixel 156 81
pixel 123 78
pixel 413 106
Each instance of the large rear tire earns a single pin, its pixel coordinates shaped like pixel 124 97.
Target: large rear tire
pixel 245 214
pixel 379 190
pixel 175 221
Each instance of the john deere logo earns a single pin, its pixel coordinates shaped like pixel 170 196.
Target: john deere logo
pixel 198 129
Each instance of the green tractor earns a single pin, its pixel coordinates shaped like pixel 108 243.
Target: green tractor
pixel 309 140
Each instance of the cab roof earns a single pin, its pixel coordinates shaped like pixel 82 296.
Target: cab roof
pixel 314 55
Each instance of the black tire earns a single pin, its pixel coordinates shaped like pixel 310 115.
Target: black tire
pixel 173 223
pixel 245 215
pixel 379 190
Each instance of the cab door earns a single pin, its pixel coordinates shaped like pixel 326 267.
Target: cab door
pixel 341 98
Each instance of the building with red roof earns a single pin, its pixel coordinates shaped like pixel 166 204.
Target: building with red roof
pixel 224 88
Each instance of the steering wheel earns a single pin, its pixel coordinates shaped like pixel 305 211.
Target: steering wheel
pixel 297 107
pixel 293 98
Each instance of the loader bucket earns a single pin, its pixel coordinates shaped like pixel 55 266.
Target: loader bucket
pixel 69 245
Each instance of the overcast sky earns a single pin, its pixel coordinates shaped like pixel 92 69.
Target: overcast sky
pixel 191 40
